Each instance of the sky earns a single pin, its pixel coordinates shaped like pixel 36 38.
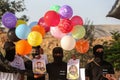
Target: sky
pixel 93 10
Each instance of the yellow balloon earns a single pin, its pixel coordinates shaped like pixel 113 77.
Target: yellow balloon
pixel 34 38
pixel 20 22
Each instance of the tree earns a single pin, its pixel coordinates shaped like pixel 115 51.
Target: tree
pixel 112 50
pixel 90 31
pixel 11 6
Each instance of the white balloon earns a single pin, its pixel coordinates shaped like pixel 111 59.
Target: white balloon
pixel 68 42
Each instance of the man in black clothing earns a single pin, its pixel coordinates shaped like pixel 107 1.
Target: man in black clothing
pixel 99 69
pixel 9 48
pixel 28 65
pixel 57 70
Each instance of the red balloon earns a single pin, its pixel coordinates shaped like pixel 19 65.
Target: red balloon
pixel 77 20
pixel 52 18
pixel 65 26
pixel 42 23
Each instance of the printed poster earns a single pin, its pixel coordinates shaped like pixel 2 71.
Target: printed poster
pixel 39 66
pixel 73 69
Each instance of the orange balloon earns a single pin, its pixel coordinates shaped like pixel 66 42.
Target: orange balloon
pixel 82 46
pixel 23 47
pixel 40 29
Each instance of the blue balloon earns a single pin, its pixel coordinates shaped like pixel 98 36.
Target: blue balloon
pixel 22 31
pixel 9 20
pixel 33 24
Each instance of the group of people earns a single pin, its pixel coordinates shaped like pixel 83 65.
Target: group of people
pixel 97 69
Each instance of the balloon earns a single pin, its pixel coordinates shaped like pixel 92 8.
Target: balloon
pixel 56 32
pixel 82 46
pixel 33 24
pixel 20 22
pixel 51 18
pixel 22 31
pixel 39 29
pixel 9 20
pixel 78 32
pixel 23 47
pixel 66 12
pixel 12 36
pixel 76 20
pixel 65 25
pixel 55 8
pixel 42 23
pixel 67 42
pixel 115 11
pixel 34 38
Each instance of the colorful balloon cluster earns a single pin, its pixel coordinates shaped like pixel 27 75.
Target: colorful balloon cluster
pixel 59 21
pixel 21 34
pixel 66 27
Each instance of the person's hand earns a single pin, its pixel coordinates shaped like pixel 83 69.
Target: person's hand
pixel 37 57
pixel 38 75
pixel 73 57
pixel 110 77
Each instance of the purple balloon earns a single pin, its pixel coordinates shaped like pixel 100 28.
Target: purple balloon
pixel 9 20
pixel 66 12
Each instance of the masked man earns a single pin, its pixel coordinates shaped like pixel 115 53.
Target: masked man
pixel 57 70
pixel 99 69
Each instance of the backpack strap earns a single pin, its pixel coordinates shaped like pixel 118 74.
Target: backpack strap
pixel 96 63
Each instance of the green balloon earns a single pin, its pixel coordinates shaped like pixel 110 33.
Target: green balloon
pixel 55 8
pixel 78 32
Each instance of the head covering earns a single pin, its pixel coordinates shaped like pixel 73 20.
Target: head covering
pixel 57 54
pixel 98 55
pixel 57 50
pixel 96 47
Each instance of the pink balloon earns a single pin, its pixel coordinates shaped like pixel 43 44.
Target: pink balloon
pixel 55 31
pixel 42 23
pixel 77 20
pixel 65 25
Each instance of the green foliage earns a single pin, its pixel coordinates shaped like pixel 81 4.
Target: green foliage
pixel 89 27
pixel 11 6
pixel 115 35
pixel 113 50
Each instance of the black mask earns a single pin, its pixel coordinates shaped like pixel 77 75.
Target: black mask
pixel 99 57
pixel 57 54
pixel 58 59
pixel 99 54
